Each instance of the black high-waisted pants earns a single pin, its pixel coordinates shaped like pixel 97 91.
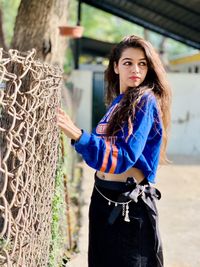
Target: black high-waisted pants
pixel 120 244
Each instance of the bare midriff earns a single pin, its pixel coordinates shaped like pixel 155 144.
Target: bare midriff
pixel 132 172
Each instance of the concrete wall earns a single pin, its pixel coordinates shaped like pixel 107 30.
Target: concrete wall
pixel 83 79
pixel 185 128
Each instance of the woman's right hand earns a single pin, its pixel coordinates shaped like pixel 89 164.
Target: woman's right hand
pixel 67 126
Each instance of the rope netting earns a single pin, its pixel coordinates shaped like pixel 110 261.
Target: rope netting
pixel 29 95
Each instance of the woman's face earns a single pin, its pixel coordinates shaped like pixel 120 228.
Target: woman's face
pixel 132 68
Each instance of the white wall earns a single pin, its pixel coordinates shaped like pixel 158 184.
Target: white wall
pixel 83 79
pixel 185 128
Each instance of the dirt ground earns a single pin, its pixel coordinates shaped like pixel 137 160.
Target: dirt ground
pixel 179 211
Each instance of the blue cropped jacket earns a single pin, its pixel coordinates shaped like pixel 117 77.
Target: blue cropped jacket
pixel 139 149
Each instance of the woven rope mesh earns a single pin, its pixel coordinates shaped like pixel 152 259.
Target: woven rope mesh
pixel 29 95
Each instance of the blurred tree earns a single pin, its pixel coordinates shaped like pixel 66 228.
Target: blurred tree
pixel 106 27
pixel 103 26
pixel 37 26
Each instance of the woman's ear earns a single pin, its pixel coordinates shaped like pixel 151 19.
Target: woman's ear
pixel 116 70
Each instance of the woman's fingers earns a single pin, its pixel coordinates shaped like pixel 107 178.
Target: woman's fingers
pixel 65 123
pixel 61 113
pixel 62 116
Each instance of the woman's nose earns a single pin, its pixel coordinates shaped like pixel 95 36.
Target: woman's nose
pixel 135 68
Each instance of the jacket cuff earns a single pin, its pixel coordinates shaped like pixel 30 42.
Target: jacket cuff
pixel 82 141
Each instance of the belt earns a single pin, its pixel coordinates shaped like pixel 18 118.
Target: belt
pixel 146 192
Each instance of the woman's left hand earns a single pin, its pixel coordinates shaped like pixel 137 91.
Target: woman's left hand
pixel 67 126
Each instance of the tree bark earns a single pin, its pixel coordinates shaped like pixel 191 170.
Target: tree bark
pixel 37 26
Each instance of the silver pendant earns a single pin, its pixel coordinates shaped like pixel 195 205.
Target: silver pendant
pixel 126 218
pixel 109 203
pixel 123 210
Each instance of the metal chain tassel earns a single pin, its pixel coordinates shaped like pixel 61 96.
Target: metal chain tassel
pixel 123 209
pixel 125 206
pixel 126 218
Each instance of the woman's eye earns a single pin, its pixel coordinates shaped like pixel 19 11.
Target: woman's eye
pixel 142 63
pixel 127 63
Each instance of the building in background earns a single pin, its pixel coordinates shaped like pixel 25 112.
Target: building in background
pixel 190 63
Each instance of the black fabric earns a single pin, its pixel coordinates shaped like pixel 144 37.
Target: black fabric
pixel 120 244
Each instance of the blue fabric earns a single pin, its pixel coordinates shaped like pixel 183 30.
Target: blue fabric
pixel 119 153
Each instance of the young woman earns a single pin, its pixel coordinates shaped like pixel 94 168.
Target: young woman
pixel 125 149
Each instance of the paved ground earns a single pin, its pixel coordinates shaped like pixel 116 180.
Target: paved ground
pixel 179 211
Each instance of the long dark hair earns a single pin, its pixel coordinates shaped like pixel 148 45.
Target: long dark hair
pixel 155 81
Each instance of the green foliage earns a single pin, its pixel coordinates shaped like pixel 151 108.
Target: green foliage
pixel 103 26
pixel 10 8
pixel 59 248
pixel 58 209
pixel 2 243
pixel 69 63
pixel 106 27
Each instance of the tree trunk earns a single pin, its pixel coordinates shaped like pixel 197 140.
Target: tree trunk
pixel 37 26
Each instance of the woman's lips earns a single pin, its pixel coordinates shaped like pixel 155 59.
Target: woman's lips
pixel 134 78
